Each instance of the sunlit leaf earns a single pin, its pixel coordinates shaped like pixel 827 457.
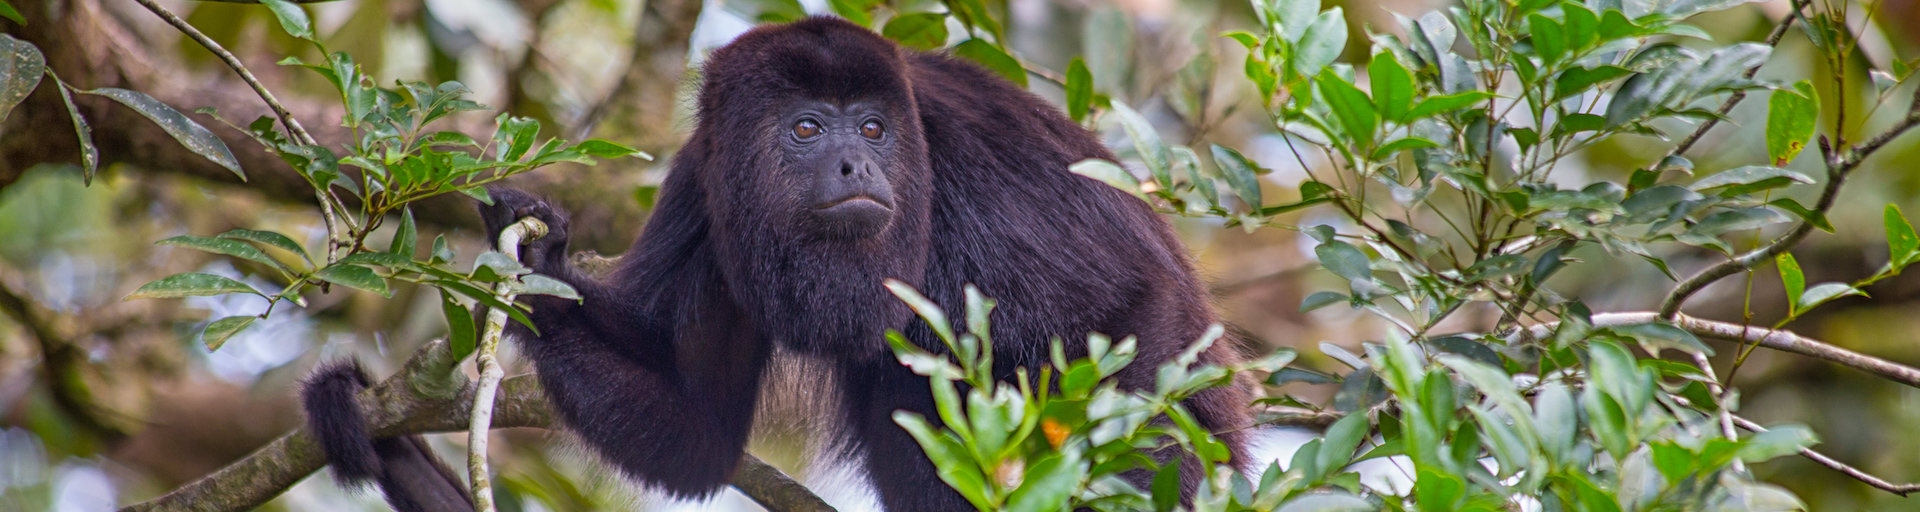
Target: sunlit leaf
pixel 220 330
pixel 292 18
pixel 353 276
pixel 21 68
pixel 1240 173
pixel 1791 117
pixel 196 138
pixel 189 285
pixel 993 58
pixel 1321 44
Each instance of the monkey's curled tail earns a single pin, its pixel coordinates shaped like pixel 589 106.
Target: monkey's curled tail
pixel 412 479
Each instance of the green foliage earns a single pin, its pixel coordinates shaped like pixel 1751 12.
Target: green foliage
pixel 392 160
pixel 1062 437
pixel 21 68
pixel 1444 147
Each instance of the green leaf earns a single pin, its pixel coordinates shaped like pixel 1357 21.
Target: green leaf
pixel 858 11
pixel 921 305
pixel 1791 279
pixel 768 11
pixel 1146 141
pixel 923 30
pixel 1823 293
pixel 1777 441
pixel 1818 219
pixel 1737 220
pixel 1321 299
pixel 536 284
pixel 1351 106
pixel 269 238
pixel 1749 179
pixel 196 138
pixel 21 68
pixel 7 11
pixel 1392 87
pixel 292 18
pixel 1578 80
pixel 1903 246
pixel 1791 117
pixel 949 456
pixel 191 284
pixel 228 247
pixel 1389 149
pixel 1337 446
pixel 1110 174
pixel 1497 267
pixel 1334 501
pixel 607 149
pixel 220 330
pixel 1079 90
pixel 353 276
pixel 1549 38
pixel 1241 174
pixel 406 236
pixel 993 58
pixel 1321 44
pixel 89 154
pixel 1166 486
pixel 462 337
pixel 1556 419
pixel 1047 483
pixel 1447 104
pixel 1656 336
pixel 1344 260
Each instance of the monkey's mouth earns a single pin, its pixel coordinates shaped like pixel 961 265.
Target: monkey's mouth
pixel 860 201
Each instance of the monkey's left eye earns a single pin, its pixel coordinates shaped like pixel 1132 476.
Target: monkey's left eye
pixel 872 130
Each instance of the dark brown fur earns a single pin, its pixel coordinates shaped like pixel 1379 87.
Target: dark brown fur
pixel 659 368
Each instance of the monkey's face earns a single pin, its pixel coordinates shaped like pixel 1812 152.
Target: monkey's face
pixel 842 157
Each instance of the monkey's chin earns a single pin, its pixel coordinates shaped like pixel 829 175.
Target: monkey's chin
pixel 855 218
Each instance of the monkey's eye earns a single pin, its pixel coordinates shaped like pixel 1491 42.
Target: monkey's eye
pixel 872 130
pixel 806 129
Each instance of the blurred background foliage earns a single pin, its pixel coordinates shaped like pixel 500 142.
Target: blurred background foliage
pixel 106 402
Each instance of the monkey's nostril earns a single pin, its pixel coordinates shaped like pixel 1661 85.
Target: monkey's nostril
pixel 846 169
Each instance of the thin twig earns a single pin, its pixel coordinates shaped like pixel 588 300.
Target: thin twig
pixel 293 125
pixel 1843 468
pixel 490 373
pixel 299 133
pixel 1776 339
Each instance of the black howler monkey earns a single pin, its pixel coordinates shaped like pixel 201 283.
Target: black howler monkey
pixel 825 160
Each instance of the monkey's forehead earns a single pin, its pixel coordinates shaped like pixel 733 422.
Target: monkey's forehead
pixel 821 57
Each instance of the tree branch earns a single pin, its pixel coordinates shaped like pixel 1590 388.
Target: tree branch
pixel 1843 468
pixel 1781 340
pixel 424 396
pixel 1838 167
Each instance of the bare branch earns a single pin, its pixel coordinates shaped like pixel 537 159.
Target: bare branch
pixel 1781 340
pixel 424 396
pixel 490 372
pixel 1843 468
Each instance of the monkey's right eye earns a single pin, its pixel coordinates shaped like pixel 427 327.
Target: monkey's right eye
pixel 806 129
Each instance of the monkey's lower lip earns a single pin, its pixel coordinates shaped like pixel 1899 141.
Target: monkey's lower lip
pixel 854 202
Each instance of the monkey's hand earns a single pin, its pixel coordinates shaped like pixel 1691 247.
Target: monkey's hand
pixel 545 255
